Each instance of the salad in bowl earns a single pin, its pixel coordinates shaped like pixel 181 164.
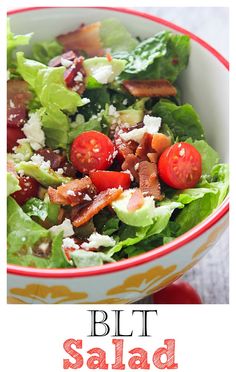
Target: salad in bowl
pixel 105 162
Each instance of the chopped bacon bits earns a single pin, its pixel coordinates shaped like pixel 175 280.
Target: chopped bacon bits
pixel 101 201
pixel 150 88
pixel 73 193
pixel 86 38
pixel 130 164
pixel 144 147
pixel 148 180
pixel 136 201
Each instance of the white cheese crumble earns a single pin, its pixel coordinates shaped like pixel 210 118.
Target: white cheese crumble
pixel 71 192
pixel 103 74
pixel 129 173
pixel 69 243
pixel 60 171
pixel 97 240
pixel 66 62
pixel 112 111
pixel 66 227
pixel 151 125
pixel 39 160
pixel 33 131
pixel 136 167
pixel 85 100
pixel 11 103
pixel 87 197
pixel 79 76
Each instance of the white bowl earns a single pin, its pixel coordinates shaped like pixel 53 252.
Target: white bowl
pixel 204 85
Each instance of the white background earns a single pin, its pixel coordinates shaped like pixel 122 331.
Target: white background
pixel 32 336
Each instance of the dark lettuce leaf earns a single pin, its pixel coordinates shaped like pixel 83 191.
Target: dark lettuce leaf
pixel 44 51
pixel 209 156
pixel 163 56
pixel 183 120
pixel 92 124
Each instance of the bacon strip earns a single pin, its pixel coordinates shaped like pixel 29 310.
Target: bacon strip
pixel 86 38
pixel 148 180
pixel 73 193
pixel 144 147
pixel 131 164
pixel 150 88
pixel 101 201
pixel 136 201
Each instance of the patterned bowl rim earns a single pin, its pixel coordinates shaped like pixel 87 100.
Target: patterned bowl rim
pixel 177 243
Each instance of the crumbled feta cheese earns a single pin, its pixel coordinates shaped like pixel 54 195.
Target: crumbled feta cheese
pixel 33 132
pixel 11 103
pixel 85 100
pixel 103 74
pixel 21 173
pixel 182 152
pixel 87 197
pixel 66 62
pixel 136 167
pixel 69 243
pixel 39 160
pixel 97 240
pixel 19 156
pixel 112 111
pixel 79 76
pixel 71 192
pixel 66 227
pixel 44 246
pixel 152 123
pixel 125 101
pixel 135 134
pixel 60 171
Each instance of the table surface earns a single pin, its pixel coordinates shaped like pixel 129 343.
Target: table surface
pixel 210 276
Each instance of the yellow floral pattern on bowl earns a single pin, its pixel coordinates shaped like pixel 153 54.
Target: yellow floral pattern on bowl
pixel 45 294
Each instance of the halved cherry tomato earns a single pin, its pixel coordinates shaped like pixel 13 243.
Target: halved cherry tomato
pixel 13 134
pixel 104 180
pixel 180 292
pixel 180 166
pixel 92 151
pixel 29 189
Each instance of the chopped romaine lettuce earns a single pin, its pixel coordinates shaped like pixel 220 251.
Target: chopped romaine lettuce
pixel 83 258
pixel 12 183
pixel 44 51
pixel 36 207
pixel 209 156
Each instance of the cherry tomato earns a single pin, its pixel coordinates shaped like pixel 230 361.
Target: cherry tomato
pixel 179 292
pixel 29 189
pixel 180 166
pixel 92 151
pixel 13 134
pixel 104 180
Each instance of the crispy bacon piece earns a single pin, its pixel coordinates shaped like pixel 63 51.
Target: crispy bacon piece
pixel 56 61
pixel 55 159
pixel 152 157
pixel 73 193
pixel 150 88
pixel 148 180
pixel 101 201
pixel 136 201
pixel 86 38
pixel 18 92
pixel 160 142
pixel 131 164
pixel 144 147
pixel 124 148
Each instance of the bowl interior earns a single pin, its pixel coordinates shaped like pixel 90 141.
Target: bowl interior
pixel 204 84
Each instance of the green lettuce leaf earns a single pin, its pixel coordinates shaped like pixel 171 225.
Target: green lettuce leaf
pixel 115 36
pixel 14 41
pixel 12 184
pixel 92 124
pixel 24 234
pixel 48 83
pixel 200 208
pixel 83 258
pixel 36 207
pixel 56 126
pixel 209 156
pixel 183 120
pixel 162 56
pixel 44 51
